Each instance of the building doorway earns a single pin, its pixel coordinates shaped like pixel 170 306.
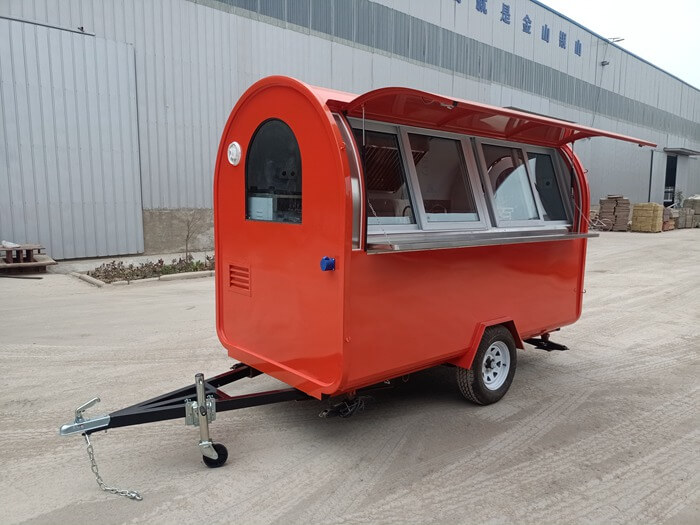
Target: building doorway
pixel 670 185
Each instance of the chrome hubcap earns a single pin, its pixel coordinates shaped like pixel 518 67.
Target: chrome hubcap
pixel 495 365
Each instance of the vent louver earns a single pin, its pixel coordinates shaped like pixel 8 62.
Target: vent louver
pixel 239 278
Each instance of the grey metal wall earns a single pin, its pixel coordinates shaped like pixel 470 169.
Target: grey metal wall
pixel 69 166
pixel 195 57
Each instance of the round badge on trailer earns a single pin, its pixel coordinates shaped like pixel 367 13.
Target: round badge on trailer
pixel 234 153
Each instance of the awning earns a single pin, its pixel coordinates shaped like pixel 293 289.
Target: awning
pixel 412 107
pixel 685 152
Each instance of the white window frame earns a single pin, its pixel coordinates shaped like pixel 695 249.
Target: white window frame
pixel 472 178
pixel 415 194
pixel 479 184
pixel 559 170
pixel 392 129
pixel 500 223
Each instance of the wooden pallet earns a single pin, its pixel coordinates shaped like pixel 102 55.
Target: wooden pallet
pixel 25 257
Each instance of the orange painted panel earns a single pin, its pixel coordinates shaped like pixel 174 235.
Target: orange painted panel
pixel 281 313
pixel 410 310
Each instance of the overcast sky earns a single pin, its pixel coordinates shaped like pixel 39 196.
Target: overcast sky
pixel 664 32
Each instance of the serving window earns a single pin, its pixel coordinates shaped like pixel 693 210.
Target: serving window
pixel 548 188
pixel 442 178
pixel 424 186
pixel 510 187
pixel 388 197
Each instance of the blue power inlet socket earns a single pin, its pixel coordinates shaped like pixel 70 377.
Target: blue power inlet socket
pixel 327 264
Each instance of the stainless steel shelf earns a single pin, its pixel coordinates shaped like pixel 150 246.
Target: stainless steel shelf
pixel 423 241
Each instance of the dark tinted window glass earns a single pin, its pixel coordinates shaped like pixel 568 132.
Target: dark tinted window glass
pixel 321 16
pixel 385 180
pixel 273 174
pixel 442 176
pixel 343 19
pixel 273 8
pixel 298 12
pixel 542 167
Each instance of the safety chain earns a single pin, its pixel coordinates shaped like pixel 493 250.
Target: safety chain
pixel 131 494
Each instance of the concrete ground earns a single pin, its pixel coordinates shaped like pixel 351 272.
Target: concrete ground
pixel 606 432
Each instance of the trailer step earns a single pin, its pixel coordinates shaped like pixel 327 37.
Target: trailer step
pixel 545 344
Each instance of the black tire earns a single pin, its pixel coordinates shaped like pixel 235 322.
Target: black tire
pixel 223 456
pixel 472 383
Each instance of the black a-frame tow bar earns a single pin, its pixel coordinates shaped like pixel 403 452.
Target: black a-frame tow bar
pixel 197 403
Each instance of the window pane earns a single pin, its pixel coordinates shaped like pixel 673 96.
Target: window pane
pixel 273 174
pixel 511 187
pixel 385 180
pixel 442 177
pixel 548 191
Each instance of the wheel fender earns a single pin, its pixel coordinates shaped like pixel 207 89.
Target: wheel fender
pixel 465 360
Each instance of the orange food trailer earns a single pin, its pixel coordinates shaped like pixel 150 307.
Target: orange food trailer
pixel 360 238
pixel 363 238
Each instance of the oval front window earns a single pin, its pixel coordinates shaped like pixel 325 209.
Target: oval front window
pixel 273 174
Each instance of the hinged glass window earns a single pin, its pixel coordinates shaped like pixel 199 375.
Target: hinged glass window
pixel 512 196
pixel 426 186
pixel 442 178
pixel 388 198
pixel 547 186
pixel 273 174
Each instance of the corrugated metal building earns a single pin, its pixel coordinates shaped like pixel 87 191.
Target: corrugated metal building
pixel 111 110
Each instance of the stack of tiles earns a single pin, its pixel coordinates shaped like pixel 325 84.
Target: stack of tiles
pixel 647 217
pixel 669 219
pixel 615 212
pixel 685 218
pixel 693 203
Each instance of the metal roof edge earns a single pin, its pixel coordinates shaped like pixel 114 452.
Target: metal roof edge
pixel 685 152
pixel 552 10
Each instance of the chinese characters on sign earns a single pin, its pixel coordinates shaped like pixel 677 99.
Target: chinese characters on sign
pixel 506 16
pixel 562 39
pixel 545 33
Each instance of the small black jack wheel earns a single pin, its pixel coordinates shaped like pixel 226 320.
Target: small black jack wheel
pixel 223 456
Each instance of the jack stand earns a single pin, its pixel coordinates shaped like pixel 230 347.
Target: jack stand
pixel 205 442
pixel 346 408
pixel 200 413
pixel 543 343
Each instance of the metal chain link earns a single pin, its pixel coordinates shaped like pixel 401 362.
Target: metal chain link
pixel 131 494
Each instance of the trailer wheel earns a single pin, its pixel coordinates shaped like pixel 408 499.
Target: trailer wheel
pixel 493 368
pixel 223 456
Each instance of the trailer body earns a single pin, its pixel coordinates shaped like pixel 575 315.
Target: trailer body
pixel 317 288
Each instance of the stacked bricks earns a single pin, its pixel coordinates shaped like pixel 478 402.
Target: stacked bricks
pixel 647 217
pixel 615 212
pixel 685 218
pixel 669 219
pixel 693 203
